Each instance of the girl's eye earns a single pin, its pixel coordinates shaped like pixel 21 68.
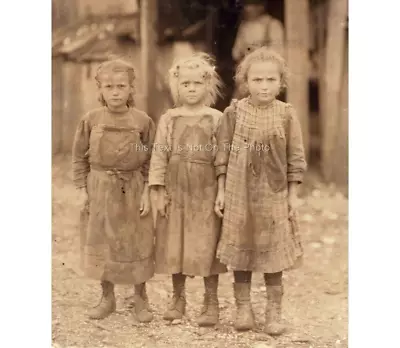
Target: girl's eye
pixel 199 83
pixel 121 86
pixel 185 84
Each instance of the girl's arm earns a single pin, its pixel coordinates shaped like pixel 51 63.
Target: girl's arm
pixel 237 50
pixel 80 153
pixel 277 36
pixel 148 140
pixel 159 155
pixel 293 188
pixel 221 182
pixel 158 168
pixel 296 163
pixel 224 138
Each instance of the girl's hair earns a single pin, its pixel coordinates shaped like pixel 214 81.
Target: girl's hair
pixel 117 66
pixel 203 62
pixel 262 54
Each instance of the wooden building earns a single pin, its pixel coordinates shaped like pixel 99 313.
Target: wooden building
pixel 151 33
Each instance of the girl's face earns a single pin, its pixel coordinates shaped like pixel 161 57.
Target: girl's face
pixel 191 87
pixel 115 89
pixel 264 82
pixel 253 11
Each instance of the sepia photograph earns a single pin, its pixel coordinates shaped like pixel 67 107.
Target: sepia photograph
pixel 199 173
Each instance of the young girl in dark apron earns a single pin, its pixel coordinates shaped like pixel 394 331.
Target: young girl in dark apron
pixel 111 156
pixel 182 177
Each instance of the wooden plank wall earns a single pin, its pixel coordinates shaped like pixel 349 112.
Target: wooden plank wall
pixel 56 105
pixel 72 102
pixel 297 36
pixel 81 94
pixel 341 153
pixel 148 47
pixel 332 114
pixel 63 13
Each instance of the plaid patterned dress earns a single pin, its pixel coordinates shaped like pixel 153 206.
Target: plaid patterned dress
pixel 260 150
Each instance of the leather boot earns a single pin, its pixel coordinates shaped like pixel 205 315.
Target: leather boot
pixel 244 312
pixel 273 313
pixel 177 308
pixel 107 303
pixel 142 306
pixel 210 313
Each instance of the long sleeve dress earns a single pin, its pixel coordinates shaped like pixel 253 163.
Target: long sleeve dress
pixel 111 155
pixel 183 162
pixel 260 150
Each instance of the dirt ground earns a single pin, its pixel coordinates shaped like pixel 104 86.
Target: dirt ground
pixel 315 303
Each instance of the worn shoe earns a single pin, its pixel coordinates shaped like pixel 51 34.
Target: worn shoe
pixel 177 308
pixel 210 313
pixel 142 306
pixel 244 312
pixel 107 303
pixel 273 313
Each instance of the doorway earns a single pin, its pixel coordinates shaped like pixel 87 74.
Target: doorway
pixel 227 22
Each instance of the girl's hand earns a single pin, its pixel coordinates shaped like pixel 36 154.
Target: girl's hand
pixel 145 203
pixel 294 203
pixel 82 197
pixel 219 203
pixel 162 202
pixel 158 200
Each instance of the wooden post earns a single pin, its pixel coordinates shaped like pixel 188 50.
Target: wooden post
pixel 210 25
pixel 63 14
pixel 148 45
pixel 297 36
pixel 57 105
pixel 332 84
pixel 72 102
pixel 56 116
pixel 340 173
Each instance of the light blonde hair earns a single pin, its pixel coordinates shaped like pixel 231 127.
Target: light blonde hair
pixel 116 66
pixel 262 54
pixel 203 62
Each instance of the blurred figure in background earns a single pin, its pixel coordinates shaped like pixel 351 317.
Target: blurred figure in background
pixel 257 28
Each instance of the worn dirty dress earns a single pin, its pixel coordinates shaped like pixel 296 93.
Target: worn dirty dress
pixel 260 151
pixel 183 162
pixel 111 157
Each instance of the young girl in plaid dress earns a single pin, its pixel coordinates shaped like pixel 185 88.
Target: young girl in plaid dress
pixel 261 155
pixel 111 156
pixel 182 177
